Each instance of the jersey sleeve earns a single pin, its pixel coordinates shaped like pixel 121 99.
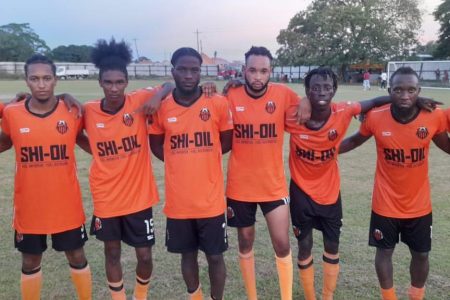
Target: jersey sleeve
pixel 354 107
pixel 5 122
pixel 155 125
pixel 290 112
pixel 142 95
pixel 2 106
pixel 441 120
pixel 447 113
pixel 225 115
pixel 366 129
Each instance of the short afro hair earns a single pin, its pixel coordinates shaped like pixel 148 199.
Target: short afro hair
pixel 185 51
pixel 39 59
pixel 403 71
pixel 324 72
pixel 262 51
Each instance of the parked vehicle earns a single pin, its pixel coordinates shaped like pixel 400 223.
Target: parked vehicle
pixel 63 73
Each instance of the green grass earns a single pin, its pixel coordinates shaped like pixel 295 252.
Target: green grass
pixel 357 279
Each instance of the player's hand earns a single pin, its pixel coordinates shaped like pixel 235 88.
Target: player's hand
pixel 361 117
pixel 150 106
pixel 233 83
pixel 20 96
pixel 70 102
pixel 209 89
pixel 427 104
pixel 303 111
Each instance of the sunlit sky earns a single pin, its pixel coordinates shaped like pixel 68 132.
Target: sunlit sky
pixel 161 26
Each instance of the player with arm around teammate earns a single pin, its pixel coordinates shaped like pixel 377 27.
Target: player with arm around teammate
pixel 315 179
pixel 47 196
pixel 121 176
pixel 401 203
pixel 189 133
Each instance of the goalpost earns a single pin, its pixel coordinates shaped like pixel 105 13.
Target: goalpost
pixel 432 74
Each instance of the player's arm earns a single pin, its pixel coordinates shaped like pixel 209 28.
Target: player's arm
pixel 442 140
pixel 303 113
pixel 156 144
pixel 226 140
pixel 152 105
pixel 231 84
pixel 70 102
pixel 83 142
pixel 5 142
pixel 422 102
pixel 353 142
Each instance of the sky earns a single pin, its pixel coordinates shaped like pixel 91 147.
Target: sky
pixel 158 27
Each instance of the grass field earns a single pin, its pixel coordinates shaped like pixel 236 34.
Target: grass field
pixel 357 279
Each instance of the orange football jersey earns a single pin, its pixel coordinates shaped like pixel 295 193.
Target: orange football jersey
pixel 121 175
pixel 401 185
pixel 193 156
pixel 256 168
pixel 313 153
pixel 47 197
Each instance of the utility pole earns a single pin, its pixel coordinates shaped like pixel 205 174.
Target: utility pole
pixel 198 42
pixel 137 52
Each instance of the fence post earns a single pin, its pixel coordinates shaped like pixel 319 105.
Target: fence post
pixel 165 70
pixel 149 70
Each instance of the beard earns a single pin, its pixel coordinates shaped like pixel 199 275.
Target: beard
pixel 187 92
pixel 252 89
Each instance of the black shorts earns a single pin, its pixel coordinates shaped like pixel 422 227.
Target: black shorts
pixel 307 214
pixel 63 241
pixel 135 229
pixel 243 214
pixel 414 232
pixel 188 235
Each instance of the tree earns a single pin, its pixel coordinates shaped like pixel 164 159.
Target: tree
pixel 19 41
pixel 428 48
pixel 72 53
pixel 442 15
pixel 343 32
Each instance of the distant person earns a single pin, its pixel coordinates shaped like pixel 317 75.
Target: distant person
pixel 366 80
pixel 383 83
pixel 401 203
pixel 437 72
pixel 445 78
pixel 189 133
pixel 47 195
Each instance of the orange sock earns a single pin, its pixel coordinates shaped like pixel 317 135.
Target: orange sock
pixel 306 272
pixel 82 280
pixel 197 294
pixel 285 276
pixel 247 265
pixel 330 275
pixel 388 294
pixel 415 293
pixel 30 284
pixel 117 290
pixel 141 288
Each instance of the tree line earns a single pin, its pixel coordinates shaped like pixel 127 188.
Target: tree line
pixel 19 41
pixel 329 32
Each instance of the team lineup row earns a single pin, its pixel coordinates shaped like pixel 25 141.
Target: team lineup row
pixel 190 130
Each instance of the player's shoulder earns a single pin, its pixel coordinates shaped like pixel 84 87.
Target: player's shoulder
pixel 380 111
pixel 141 92
pixel 92 105
pixel 12 107
pixel 236 91
pixel 280 87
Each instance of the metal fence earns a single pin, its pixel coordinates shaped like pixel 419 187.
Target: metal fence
pixel 134 70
